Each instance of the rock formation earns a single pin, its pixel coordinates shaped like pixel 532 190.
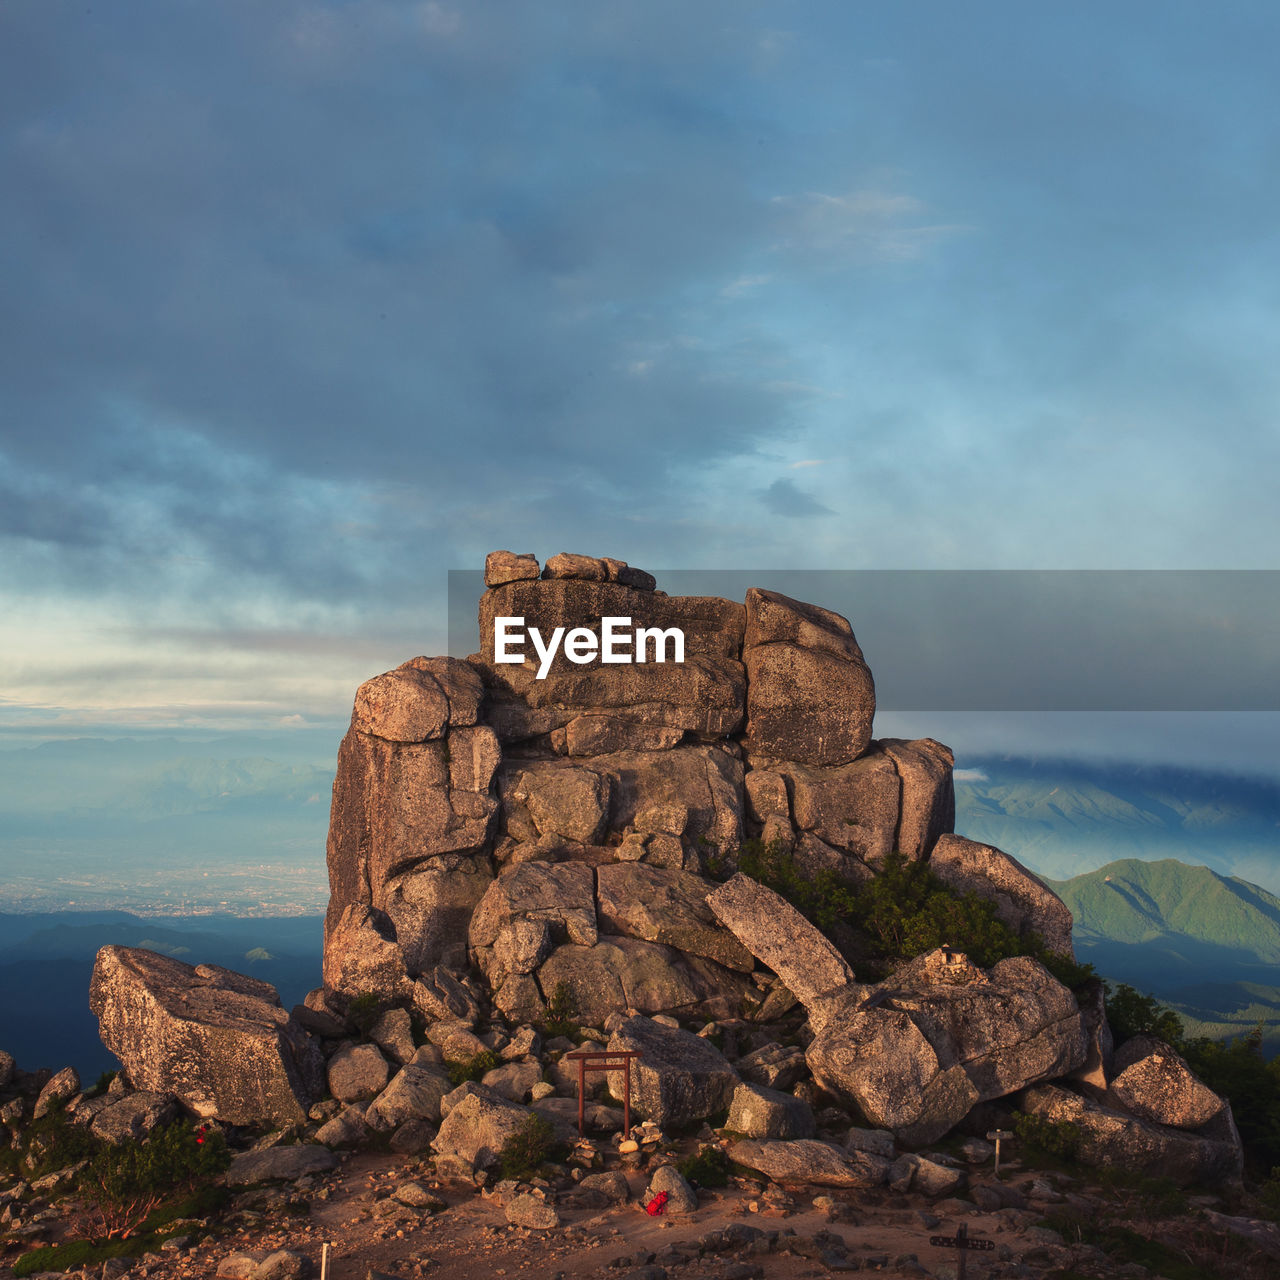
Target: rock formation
pixel 535 833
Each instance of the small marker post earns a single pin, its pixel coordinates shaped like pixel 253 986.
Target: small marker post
pixel 324 1262
pixel 998 1136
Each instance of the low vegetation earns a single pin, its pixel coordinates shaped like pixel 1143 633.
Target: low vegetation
pixel 471 1068
pixel 531 1146
pixel 903 912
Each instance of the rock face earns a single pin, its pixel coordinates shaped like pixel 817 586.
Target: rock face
pixel 919 1050
pixel 217 1040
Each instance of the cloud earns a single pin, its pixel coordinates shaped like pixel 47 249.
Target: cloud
pixel 969 775
pixel 786 498
pixel 862 226
pixel 808 462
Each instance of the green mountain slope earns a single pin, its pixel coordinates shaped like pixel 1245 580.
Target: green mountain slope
pixel 1207 945
pixel 1131 901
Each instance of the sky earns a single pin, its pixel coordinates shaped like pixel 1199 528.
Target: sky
pixel 307 304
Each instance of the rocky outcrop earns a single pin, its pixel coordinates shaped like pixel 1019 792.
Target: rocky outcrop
pixel 217 1040
pixel 1022 900
pixel 917 1051
pixel 1109 1137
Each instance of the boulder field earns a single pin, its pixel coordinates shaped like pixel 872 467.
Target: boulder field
pixel 515 841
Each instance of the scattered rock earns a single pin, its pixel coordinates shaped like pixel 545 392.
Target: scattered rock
pixel 758 1112
pixel 681 1197
pixel 531 1211
pixel 357 1071
pixel 59 1089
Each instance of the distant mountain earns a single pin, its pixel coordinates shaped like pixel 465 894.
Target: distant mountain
pixel 1064 817
pixel 1206 944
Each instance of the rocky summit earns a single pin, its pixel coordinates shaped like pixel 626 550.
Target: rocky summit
pixel 547 836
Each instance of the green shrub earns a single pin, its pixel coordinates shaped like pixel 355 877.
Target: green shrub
pixel 364 1010
pixel 1130 1013
pixel 708 1168
pixel 531 1146
pixel 129 1181
pixel 472 1068
pixel 53 1142
pixel 560 1018
pixel 1059 1139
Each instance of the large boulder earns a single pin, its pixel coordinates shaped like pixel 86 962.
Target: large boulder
pixel 1153 1082
pixel 1108 1137
pixel 414 1093
pixel 217 1040
pixel 757 1112
pixel 628 973
pixel 477 1128
pixel 678 1077
pixel 810 696
pixel 928 806
pixel 781 938
pixel 917 1051
pixel 664 905
pixel 1022 900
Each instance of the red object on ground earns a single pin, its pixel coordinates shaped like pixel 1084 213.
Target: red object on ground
pixel 656 1205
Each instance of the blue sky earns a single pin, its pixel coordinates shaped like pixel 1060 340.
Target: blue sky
pixel 307 304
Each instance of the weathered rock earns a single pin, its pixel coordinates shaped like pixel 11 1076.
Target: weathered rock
pixel 810 696
pixel 476 1128
pixel 563 798
pixel 1153 1082
pixel 282 1264
pixel 1109 1137
pixel 627 973
pixel 679 1077
pixel 133 1117
pixel 853 808
pixel 928 805
pixel 7 1068
pixel 393 1034
pixel 398 805
pixel 776 1066
pixel 808 1162
pixel 1022 900
pixel 528 910
pixel 430 906
pixel 781 938
pixel 660 905
pixel 357 1071
pixel 925 1176
pixel 279 1164
pixel 60 1088
pixel 440 997
pixel 612 1186
pixel 757 1112
pixel 414 1093
pixel 405 705
pixel 878 1142
pixel 513 1081
pixel 681 1197
pixel 217 1040
pixel 528 1210
pixel 1099 1062
pixel 348 1128
pixel 501 567
pixel 361 956
pixel 598 735
pixel 916 1052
